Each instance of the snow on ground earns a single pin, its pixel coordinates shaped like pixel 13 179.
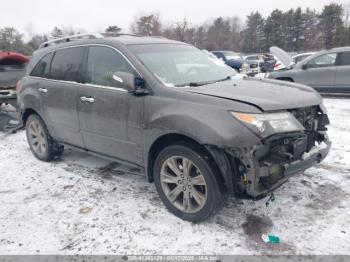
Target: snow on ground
pixel 40 207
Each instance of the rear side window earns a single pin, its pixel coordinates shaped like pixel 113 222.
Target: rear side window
pixel 344 58
pixel 102 63
pixel 67 64
pixel 42 68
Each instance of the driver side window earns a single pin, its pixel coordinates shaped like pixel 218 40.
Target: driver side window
pixel 103 62
pixel 325 60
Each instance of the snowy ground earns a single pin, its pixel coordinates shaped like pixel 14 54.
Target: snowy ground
pixel 83 204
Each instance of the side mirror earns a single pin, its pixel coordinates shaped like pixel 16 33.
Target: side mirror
pixel 126 79
pixel 304 66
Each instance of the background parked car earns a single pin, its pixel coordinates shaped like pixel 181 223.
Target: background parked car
pixel 12 68
pixel 237 62
pixel 326 71
pixel 266 61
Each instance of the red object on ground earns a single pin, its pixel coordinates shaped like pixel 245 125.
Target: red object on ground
pixel 13 58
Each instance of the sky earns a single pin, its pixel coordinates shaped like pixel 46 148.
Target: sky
pixel 95 15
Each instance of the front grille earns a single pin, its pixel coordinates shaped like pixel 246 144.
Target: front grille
pixel 253 65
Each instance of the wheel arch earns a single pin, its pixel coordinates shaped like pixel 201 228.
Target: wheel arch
pixel 26 113
pixel 288 79
pixel 173 138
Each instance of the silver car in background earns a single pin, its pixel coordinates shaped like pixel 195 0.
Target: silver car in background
pixel 326 71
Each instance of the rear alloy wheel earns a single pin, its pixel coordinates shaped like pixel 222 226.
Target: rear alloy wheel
pixel 39 139
pixel 186 183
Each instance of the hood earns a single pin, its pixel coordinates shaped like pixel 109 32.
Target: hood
pixel 267 95
pixel 286 59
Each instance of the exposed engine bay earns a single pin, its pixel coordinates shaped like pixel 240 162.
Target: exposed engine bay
pixel 268 164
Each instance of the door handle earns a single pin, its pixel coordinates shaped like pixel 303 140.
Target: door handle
pixel 87 99
pixel 42 90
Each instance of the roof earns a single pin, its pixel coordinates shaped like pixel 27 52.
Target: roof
pixel 125 39
pixel 340 49
pixel 117 41
pixel 137 40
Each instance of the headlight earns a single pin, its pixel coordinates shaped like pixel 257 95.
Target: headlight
pixel 268 124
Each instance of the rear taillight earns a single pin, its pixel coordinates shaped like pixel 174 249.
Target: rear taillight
pixel 18 86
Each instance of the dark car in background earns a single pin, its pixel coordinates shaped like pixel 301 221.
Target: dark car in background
pixel 236 61
pixel 195 131
pixel 266 61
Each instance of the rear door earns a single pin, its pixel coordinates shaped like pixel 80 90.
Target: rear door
pixel 59 94
pixel 320 72
pixel 342 78
pixel 110 117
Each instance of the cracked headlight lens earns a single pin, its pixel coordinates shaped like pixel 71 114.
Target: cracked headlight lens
pixel 268 124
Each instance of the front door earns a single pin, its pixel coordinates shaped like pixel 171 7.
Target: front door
pixel 110 118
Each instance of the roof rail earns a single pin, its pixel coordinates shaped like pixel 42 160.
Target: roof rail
pixel 70 38
pixel 111 34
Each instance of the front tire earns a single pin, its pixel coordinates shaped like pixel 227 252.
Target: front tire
pixel 39 139
pixel 187 183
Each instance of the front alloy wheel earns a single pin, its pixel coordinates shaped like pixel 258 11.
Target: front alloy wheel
pixel 183 184
pixel 187 182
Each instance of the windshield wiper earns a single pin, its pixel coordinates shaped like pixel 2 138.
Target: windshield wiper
pixel 225 79
pixel 194 84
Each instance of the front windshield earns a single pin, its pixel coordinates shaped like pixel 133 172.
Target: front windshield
pixel 177 65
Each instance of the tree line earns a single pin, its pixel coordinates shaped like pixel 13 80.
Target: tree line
pixel 293 30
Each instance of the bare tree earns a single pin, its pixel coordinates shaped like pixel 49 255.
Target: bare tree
pixel 181 29
pixel 56 32
pixel 147 25
pixel 113 29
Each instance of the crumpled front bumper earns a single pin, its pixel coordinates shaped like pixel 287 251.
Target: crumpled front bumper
pixel 259 178
pixel 319 153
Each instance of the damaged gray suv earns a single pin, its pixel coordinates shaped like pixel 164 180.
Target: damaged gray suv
pixel 197 130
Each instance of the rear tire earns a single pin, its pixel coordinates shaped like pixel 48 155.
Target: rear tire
pixel 187 183
pixel 39 139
